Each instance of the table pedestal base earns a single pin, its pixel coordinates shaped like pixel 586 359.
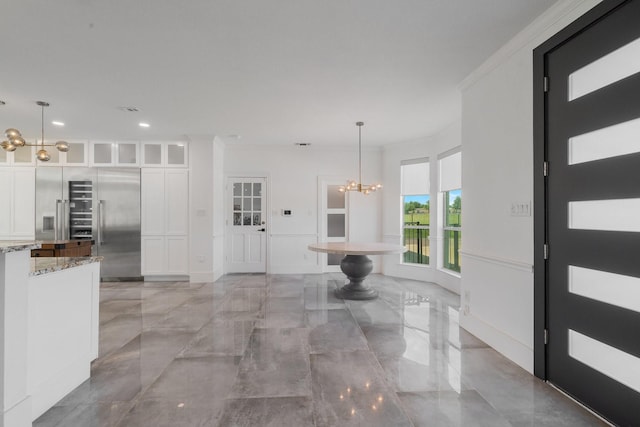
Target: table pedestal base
pixel 356 268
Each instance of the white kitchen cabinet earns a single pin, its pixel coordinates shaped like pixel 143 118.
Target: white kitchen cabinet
pixel 165 154
pixel 165 255
pixel 165 221
pixel 153 255
pixel 17 203
pixel 102 153
pixel 152 202
pixel 78 155
pixel 23 156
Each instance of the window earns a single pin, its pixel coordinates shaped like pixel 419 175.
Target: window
pixel 450 171
pixel 415 211
pixel 452 229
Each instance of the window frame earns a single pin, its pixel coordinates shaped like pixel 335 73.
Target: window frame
pixel 403 225
pixel 451 228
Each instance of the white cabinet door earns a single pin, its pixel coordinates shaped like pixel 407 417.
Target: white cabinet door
pixel 17 203
pixel 78 154
pixel 177 249
pixel 152 154
pixel 153 204
pixel 24 203
pixel 176 185
pixel 6 203
pixel 24 156
pixel 101 153
pixel 177 154
pixel 165 154
pixel 153 255
pixel 165 221
pixel 127 154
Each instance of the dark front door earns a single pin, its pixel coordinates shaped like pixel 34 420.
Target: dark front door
pixel 593 214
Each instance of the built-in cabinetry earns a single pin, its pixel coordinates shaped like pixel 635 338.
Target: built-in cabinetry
pixel 165 221
pixel 114 154
pixel 17 203
pixel 164 154
pixel 105 154
pixel 78 155
pixel 25 156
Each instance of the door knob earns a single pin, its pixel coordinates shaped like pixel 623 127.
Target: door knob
pixel 262 229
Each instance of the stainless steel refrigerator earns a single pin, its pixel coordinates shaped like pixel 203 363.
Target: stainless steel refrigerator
pixel 101 204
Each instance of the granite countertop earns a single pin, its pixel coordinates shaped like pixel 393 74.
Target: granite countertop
pixel 7 246
pixel 44 265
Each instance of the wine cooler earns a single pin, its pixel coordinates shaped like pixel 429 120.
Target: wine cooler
pixel 80 210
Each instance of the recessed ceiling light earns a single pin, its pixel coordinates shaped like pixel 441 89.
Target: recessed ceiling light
pixel 57 123
pixel 144 125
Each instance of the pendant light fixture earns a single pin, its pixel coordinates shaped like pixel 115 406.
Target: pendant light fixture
pixel 15 140
pixel 359 186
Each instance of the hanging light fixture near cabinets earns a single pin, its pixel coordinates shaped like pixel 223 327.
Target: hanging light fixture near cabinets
pixel 359 186
pixel 15 140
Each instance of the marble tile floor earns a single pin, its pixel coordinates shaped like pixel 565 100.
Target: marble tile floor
pixel 281 350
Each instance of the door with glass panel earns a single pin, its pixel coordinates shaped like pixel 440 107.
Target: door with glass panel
pixel 246 226
pixel 593 214
pixel 333 221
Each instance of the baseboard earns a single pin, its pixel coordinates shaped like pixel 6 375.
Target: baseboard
pixel 295 269
pixel 504 344
pixel 167 278
pixel 217 274
pixel 201 276
pixel 49 392
pixel 18 415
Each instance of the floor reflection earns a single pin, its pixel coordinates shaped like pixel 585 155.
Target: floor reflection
pixel 282 350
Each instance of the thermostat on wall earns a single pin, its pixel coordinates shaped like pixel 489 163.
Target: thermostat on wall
pixel 287 212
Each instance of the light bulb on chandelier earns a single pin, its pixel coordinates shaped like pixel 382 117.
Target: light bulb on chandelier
pixel 359 186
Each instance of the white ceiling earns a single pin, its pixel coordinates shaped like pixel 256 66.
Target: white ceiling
pixel 271 71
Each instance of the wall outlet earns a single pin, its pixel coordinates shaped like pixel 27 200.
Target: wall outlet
pixel 520 209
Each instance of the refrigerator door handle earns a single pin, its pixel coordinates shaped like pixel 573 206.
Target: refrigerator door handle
pixel 56 221
pixel 100 216
pixel 66 207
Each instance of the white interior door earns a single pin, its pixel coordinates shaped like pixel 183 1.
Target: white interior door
pixel 333 221
pixel 246 225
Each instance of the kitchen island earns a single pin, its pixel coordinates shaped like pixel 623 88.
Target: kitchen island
pixel 49 328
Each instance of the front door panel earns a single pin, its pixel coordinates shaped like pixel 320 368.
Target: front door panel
pixel 593 215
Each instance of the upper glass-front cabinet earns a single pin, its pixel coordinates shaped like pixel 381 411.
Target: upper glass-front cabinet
pixel 114 153
pixel 24 156
pixel 104 154
pixel 76 156
pixel 165 154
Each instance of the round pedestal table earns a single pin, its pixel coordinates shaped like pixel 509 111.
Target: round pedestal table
pixel 356 265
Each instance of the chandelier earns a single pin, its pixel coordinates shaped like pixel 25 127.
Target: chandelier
pixel 359 186
pixel 15 140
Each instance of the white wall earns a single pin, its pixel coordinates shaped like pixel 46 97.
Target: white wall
pixel 393 155
pixel 216 191
pixel 293 174
pixel 201 210
pixel 497 158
